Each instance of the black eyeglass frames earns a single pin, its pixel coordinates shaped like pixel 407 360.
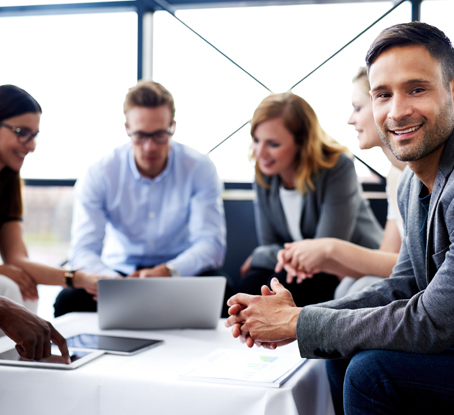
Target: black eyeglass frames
pixel 24 135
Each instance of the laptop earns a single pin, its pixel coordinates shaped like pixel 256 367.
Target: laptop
pixel 160 303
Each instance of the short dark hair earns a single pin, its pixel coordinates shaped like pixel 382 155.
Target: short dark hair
pixel 416 34
pixel 148 94
pixel 15 101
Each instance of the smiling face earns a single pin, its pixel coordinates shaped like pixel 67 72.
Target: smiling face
pixel 12 153
pixel 275 150
pixel 413 108
pixel 362 119
pixel 151 158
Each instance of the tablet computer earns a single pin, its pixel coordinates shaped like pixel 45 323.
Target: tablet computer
pixel 55 361
pixel 112 344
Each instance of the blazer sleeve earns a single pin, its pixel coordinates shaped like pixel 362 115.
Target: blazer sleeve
pixel 340 201
pixel 393 314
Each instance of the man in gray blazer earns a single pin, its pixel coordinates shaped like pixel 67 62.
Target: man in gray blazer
pixel 391 345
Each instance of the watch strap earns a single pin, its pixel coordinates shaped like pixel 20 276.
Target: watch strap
pixel 68 277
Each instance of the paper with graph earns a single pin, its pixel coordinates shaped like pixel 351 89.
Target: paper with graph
pixel 246 367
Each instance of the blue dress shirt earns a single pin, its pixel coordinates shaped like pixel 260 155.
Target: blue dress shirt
pixel 123 220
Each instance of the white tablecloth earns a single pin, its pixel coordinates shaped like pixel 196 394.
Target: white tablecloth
pixel 147 383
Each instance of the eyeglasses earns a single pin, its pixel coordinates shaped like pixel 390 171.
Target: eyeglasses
pixel 159 137
pixel 24 135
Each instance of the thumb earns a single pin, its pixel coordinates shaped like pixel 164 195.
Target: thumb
pixel 276 286
pixel 265 290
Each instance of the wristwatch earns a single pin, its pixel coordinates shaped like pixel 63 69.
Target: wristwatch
pixel 68 277
pixel 173 270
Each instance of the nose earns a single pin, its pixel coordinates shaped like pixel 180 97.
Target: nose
pixel 31 145
pixel 351 120
pixel 258 149
pixel 400 107
pixel 149 145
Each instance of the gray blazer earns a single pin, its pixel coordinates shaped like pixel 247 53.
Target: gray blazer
pixel 411 311
pixel 335 208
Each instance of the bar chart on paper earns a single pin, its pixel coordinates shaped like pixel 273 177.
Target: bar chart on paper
pixel 248 367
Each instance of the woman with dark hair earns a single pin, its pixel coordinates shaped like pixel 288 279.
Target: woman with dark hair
pixel 19 125
pixel 307 188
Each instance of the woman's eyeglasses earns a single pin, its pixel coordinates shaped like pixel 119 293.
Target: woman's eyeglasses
pixel 24 135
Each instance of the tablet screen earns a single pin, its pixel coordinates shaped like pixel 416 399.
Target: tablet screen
pixel 13 355
pixel 111 344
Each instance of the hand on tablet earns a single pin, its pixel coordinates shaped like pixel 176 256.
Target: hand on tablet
pixel 31 333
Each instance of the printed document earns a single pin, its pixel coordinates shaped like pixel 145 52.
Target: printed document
pixel 247 367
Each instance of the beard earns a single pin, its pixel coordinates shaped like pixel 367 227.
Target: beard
pixel 433 136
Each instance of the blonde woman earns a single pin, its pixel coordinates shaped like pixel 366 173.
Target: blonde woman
pixel 306 188
pixel 301 259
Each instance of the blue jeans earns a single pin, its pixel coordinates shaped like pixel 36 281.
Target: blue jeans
pixel 388 383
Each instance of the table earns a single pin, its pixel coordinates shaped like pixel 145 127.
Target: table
pixel 147 383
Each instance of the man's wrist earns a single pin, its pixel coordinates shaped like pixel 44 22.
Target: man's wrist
pixel 293 321
pixel 173 271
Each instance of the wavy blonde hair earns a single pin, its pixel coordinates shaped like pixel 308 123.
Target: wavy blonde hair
pixel 362 80
pixel 317 150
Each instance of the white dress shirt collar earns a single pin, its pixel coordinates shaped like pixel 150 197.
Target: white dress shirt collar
pixel 138 176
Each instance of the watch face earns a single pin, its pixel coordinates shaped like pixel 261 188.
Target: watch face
pixel 69 279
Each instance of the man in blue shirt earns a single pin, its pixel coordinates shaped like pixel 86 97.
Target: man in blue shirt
pixel 150 208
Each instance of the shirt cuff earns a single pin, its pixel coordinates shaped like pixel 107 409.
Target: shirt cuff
pixel 174 271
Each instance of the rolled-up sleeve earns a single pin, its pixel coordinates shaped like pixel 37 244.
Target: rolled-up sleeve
pixel 89 222
pixel 207 229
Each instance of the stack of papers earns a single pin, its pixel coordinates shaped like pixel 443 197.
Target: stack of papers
pixel 245 367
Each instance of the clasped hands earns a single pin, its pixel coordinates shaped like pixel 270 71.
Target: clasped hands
pixel 303 259
pixel 268 320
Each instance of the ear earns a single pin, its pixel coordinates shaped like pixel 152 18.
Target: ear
pixel 451 88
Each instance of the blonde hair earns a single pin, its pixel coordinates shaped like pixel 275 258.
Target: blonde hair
pixel 362 80
pixel 317 150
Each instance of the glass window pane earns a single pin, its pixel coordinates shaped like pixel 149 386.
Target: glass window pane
pixel 6 3
pixel 439 13
pixel 277 44
pixel 79 68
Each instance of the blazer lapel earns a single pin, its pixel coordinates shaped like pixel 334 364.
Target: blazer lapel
pixel 415 248
pixel 444 170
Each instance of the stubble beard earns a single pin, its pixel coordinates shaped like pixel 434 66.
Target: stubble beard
pixel 433 137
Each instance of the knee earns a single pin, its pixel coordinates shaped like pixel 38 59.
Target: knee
pixel 365 369
pixel 368 380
